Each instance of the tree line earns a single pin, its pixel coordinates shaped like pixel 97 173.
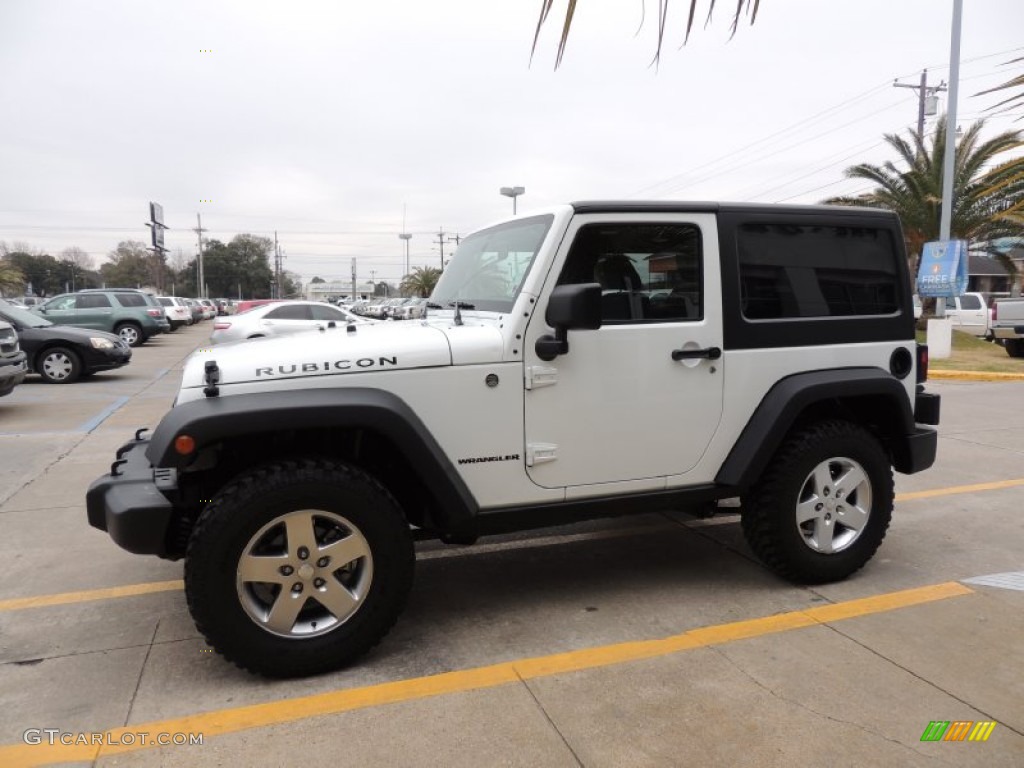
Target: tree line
pixel 240 267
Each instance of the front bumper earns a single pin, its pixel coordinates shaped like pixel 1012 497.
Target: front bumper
pixel 129 505
pixel 12 373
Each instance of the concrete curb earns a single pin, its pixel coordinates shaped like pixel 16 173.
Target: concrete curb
pixel 974 376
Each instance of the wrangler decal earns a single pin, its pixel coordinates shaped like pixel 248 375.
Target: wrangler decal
pixel 486 459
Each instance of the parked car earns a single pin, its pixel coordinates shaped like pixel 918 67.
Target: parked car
pixel 133 315
pixel 281 317
pixel 62 354
pixel 224 307
pixel 178 313
pixel 410 309
pixel 245 306
pixel 13 366
pixel 1008 325
pixel 209 308
pixel 195 308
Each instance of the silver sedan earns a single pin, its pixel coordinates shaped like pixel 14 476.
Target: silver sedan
pixel 279 318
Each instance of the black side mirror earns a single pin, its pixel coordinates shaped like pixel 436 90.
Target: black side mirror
pixel 571 307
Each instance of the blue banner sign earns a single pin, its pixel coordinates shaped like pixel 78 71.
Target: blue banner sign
pixel 943 270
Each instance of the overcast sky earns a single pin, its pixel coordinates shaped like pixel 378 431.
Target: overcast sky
pixel 321 120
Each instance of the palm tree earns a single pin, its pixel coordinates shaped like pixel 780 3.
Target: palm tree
pixel 11 279
pixel 420 282
pixel 987 196
pixel 1014 82
pixel 748 6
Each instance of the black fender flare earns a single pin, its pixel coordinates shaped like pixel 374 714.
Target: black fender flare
pixel 213 419
pixel 790 397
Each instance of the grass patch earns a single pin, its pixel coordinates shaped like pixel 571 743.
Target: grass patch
pixel 973 354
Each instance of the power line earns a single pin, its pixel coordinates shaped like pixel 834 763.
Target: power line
pixel 787 131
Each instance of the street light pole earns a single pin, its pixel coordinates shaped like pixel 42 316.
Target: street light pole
pixel 406 236
pixel 512 192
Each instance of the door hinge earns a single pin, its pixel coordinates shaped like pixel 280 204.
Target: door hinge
pixel 538 376
pixel 539 453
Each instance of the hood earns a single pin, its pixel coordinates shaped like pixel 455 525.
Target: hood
pixel 331 352
pixel 82 335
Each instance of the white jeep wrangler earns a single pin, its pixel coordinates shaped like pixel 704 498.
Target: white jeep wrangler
pixel 597 359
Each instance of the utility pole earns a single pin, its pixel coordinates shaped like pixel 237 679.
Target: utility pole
pixel 277 268
pixel 199 265
pixel 924 95
pixel 441 240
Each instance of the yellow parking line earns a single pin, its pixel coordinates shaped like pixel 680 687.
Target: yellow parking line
pixel 995 486
pixel 237 719
pixel 132 590
pixel 87 595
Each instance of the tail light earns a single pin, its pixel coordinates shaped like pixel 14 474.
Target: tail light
pixel 155 312
pixel 221 326
pixel 995 311
pixel 922 363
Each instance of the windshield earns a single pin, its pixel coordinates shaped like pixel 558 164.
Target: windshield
pixel 489 266
pixel 22 316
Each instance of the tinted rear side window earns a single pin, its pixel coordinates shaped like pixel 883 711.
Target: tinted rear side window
pixel 808 271
pixel 290 312
pixel 131 299
pixel 92 301
pixel 970 302
pixel 167 302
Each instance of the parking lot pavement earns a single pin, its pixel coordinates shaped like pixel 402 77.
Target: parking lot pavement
pixel 650 641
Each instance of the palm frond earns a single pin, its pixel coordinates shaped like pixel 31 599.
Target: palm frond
pixel 751 8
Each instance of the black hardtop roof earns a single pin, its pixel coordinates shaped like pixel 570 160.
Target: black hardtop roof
pixel 682 206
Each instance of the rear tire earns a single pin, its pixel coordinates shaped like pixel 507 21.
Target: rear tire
pixel 298 567
pixel 1014 347
pixel 823 505
pixel 131 334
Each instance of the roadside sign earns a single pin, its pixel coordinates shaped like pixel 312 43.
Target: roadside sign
pixel 943 270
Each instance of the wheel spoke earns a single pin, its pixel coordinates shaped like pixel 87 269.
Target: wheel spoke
pixel 807 510
pixel 854 517
pixel 850 480
pixel 336 598
pixel 822 478
pixel 262 569
pixel 345 550
pixel 285 610
pixel 300 532
pixel 823 532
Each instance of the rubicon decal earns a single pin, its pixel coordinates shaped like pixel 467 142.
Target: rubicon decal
pixel 487 459
pixel 327 365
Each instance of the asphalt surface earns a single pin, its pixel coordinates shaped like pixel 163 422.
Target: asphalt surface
pixel 645 641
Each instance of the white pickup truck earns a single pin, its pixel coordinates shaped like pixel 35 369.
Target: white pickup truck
pixel 1008 325
pixel 971 313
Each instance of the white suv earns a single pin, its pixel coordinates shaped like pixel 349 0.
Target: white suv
pixel 772 347
pixel 177 311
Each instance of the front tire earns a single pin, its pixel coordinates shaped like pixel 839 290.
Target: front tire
pixel 823 505
pixel 298 567
pixel 59 365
